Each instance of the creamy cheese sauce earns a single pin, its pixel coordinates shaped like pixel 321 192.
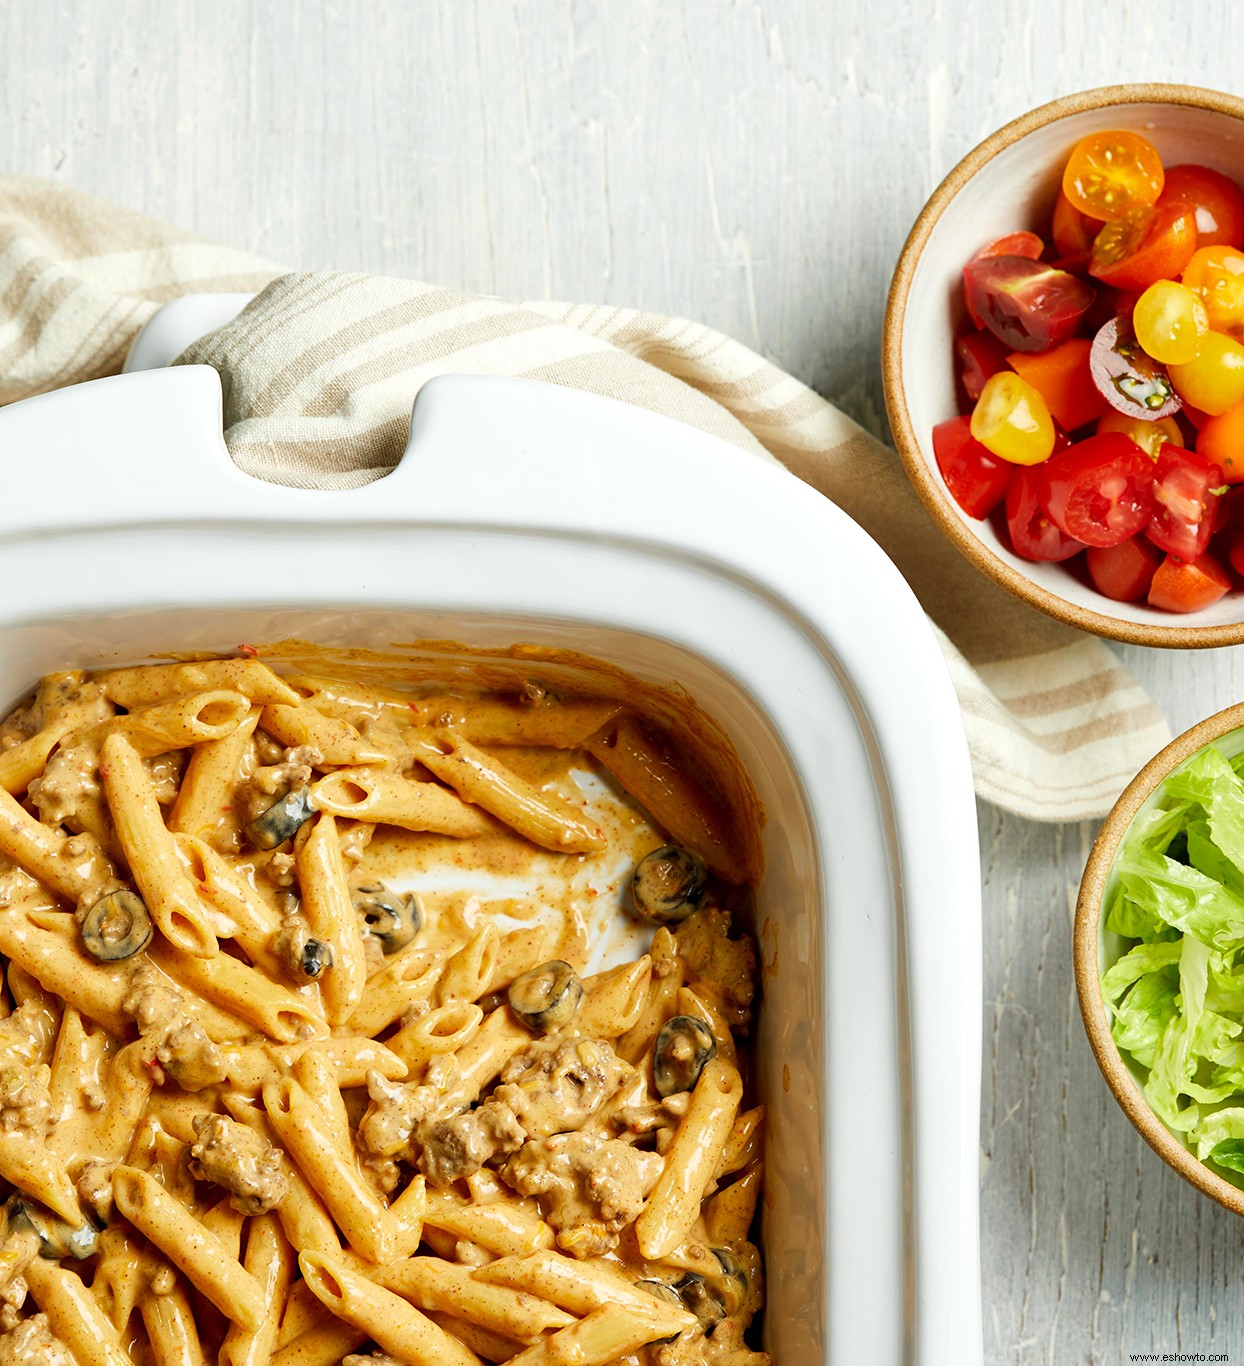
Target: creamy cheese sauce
pixel 159 1068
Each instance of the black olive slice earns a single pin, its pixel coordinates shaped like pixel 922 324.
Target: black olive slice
pixel 57 1238
pixel 668 885
pixel 117 926
pixel 316 958
pixel 684 1047
pixel 282 820
pixel 393 918
pixel 547 997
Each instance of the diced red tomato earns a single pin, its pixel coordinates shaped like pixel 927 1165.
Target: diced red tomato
pixel 1032 533
pixel 1182 587
pixel 1124 571
pixel 1235 555
pixel 1064 380
pixel 1144 246
pixel 1184 502
pixel 1100 491
pixel 1218 200
pixel 977 480
pixel 1026 304
pixel 979 355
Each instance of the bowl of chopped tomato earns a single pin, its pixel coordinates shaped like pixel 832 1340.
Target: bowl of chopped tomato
pixel 1064 361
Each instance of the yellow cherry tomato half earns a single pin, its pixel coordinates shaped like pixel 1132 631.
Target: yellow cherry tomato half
pixel 1110 173
pixel 1214 381
pixel 1169 321
pixel 1149 436
pixel 1216 276
pixel 1012 422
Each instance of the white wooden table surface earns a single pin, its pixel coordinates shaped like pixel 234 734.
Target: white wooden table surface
pixel 755 165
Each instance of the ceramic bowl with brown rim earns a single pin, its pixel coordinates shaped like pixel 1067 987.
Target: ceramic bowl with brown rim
pixel 1010 182
pixel 1098 948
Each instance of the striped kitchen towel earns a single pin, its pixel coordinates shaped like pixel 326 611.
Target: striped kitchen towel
pixel 320 371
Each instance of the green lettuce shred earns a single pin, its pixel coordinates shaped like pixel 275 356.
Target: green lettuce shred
pixel 1176 991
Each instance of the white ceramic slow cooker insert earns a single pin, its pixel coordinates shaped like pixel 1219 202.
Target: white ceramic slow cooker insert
pixel 525 513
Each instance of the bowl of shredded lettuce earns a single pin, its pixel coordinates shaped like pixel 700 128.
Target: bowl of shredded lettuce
pixel 1159 954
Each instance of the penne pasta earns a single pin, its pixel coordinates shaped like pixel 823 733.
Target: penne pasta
pixel 605 1335
pixel 543 817
pixel 336 741
pixel 332 919
pixel 368 794
pixel 204 805
pixel 397 1326
pixel 74 1317
pixel 270 1260
pixel 277 1011
pixel 199 1254
pixel 151 851
pixel 674 1205
pixel 330 1170
pixel 147 683
pixel 169 1321
pixel 677 802
pixel 432 1283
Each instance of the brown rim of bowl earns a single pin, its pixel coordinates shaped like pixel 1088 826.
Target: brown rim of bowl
pixel 943 511
pixel 1085 957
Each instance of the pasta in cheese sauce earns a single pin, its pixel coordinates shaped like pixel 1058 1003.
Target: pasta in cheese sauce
pixel 323 1039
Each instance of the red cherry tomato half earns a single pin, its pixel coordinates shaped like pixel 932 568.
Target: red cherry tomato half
pixel 977 480
pixel 979 356
pixel 1025 244
pixel 1100 491
pixel 1235 554
pixel 1184 502
pixel 1026 304
pixel 1218 200
pixel 1179 586
pixel 1144 246
pixel 1130 381
pixel 1032 533
pixel 1124 571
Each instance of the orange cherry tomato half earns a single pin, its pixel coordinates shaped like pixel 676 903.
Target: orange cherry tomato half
pixel 1221 439
pixel 1180 586
pixel 1143 246
pixel 1063 378
pixel 1216 275
pixel 1110 173
pixel 1219 203
pixel 1073 234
